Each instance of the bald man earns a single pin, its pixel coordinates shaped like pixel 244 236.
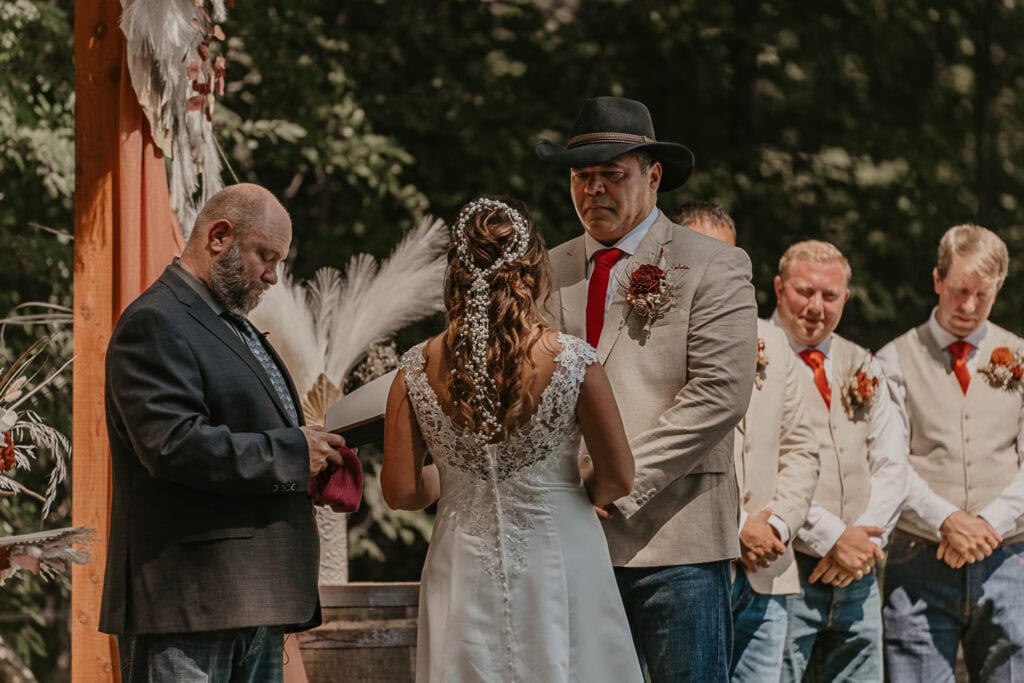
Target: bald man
pixel 213 550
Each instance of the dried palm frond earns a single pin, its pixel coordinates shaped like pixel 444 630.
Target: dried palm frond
pixel 323 327
pixel 376 303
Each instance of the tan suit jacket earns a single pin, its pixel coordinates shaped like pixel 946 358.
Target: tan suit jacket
pixel 777 455
pixel 681 383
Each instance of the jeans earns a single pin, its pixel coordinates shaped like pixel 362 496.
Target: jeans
pixel 931 608
pixel 759 633
pixel 680 619
pixel 240 655
pixel 834 634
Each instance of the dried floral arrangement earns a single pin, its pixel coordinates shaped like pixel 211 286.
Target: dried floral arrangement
pixel 23 434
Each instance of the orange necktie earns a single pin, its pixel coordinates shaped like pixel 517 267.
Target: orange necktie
pixel 597 291
pixel 959 350
pixel 816 360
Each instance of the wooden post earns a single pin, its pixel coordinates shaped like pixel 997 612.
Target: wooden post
pixel 97 81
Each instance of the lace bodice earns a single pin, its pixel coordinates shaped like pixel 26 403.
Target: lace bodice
pixel 492 491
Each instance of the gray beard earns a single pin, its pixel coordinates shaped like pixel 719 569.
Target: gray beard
pixel 229 284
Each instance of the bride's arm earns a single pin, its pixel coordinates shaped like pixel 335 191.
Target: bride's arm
pixel 611 475
pixel 406 483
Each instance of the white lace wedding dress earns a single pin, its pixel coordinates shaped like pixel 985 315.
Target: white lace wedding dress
pixel 518 584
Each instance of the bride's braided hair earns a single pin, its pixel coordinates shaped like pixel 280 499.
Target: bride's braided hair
pixel 495 246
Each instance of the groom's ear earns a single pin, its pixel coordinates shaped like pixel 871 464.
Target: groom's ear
pixel 220 236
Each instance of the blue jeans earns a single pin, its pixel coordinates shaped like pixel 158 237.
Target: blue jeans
pixel 834 634
pixel 680 620
pixel 759 633
pixel 240 655
pixel 931 608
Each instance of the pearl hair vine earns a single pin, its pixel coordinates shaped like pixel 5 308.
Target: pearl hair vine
pixel 476 328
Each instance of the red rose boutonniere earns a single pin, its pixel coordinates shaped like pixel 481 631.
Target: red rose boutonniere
pixel 1005 368
pixel 761 363
pixel 859 392
pixel 649 290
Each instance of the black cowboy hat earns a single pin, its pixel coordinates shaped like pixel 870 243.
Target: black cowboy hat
pixel 609 126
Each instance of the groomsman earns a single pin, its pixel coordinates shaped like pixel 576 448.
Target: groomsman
pixel 672 315
pixel 835 623
pixel 957 381
pixel 776 454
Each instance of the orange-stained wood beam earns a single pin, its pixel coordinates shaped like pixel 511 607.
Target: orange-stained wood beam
pixel 97 81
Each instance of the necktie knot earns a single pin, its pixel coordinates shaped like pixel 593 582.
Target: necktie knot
pixel 606 258
pixel 959 350
pixel 815 359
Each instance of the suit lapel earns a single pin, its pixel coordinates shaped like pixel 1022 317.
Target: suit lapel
pixel 572 291
pixel 649 251
pixel 218 327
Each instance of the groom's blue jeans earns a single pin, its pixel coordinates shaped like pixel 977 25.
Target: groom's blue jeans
pixel 681 619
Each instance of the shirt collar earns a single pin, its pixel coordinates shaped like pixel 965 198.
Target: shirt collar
pixel 944 338
pixel 629 242
pixel 825 346
pixel 196 284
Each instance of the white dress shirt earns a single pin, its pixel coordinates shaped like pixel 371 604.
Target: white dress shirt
pixel 887 462
pixel 1003 512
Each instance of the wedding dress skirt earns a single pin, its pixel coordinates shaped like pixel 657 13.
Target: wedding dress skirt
pixel 518 584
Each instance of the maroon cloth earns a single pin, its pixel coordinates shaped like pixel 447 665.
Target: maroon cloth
pixel 339 487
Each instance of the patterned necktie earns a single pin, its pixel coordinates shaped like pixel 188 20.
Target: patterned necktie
pixel 815 359
pixel 255 344
pixel 597 291
pixel 959 350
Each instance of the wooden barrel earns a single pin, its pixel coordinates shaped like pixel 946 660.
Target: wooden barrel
pixel 368 634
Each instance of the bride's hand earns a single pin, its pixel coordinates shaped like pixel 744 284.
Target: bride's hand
pixel 602 514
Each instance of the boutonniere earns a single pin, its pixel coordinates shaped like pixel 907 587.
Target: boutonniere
pixel 859 392
pixel 649 289
pixel 1005 368
pixel 761 363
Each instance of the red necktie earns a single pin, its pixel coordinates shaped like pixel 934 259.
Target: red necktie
pixel 816 360
pixel 959 350
pixel 597 291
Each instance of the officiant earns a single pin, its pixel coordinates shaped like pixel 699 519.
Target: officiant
pixel 673 318
pixel 213 550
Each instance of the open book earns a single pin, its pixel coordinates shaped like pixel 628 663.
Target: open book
pixel 359 416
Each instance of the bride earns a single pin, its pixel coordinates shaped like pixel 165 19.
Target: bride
pixel 518 584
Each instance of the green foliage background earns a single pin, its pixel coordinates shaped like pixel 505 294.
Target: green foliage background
pixel 875 124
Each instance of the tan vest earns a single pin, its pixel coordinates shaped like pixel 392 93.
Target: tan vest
pixel 844 480
pixel 964 447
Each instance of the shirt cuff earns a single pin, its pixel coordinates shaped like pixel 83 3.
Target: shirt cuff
pixel 936 513
pixel 823 535
pixel 780 528
pixel 743 518
pixel 1001 519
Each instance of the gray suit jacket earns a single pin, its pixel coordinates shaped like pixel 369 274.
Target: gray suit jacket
pixel 681 383
pixel 777 455
pixel 210 526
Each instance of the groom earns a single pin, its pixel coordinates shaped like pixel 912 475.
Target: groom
pixel 673 318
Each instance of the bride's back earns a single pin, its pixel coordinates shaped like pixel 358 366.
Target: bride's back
pixel 536 374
